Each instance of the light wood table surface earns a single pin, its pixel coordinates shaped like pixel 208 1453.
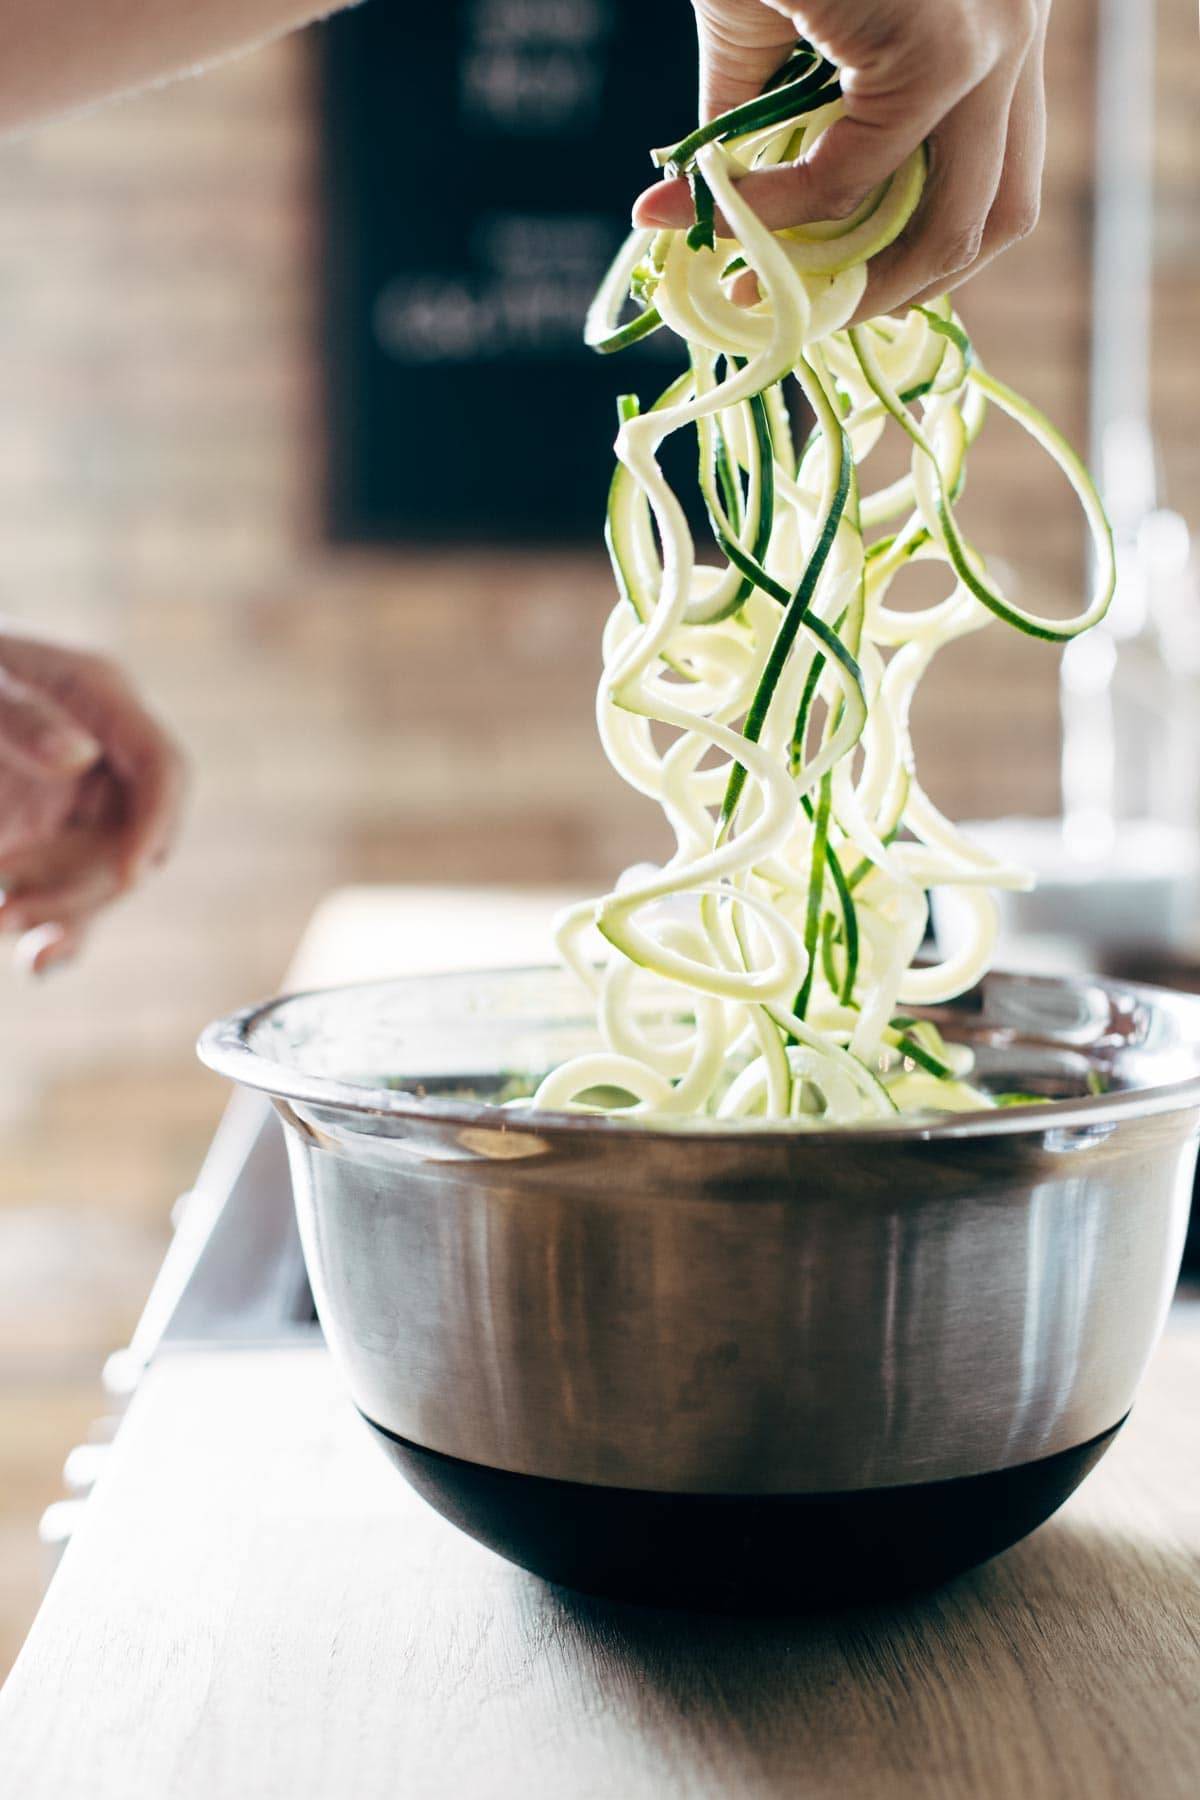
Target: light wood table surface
pixel 255 1607
pixel 370 933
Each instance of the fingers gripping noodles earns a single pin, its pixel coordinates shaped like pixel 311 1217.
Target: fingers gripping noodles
pixel 764 702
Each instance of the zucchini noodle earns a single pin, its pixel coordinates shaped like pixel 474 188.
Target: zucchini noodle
pixel 764 702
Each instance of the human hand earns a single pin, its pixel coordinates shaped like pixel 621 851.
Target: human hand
pixel 90 788
pixel 965 75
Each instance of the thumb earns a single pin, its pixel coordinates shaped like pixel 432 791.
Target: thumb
pixel 742 44
pixel 38 737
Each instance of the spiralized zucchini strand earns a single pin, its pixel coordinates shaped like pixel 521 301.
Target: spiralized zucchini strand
pixel 765 970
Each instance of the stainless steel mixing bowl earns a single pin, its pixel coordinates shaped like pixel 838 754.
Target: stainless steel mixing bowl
pixel 733 1366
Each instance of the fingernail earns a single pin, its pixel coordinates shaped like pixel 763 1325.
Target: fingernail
pixel 40 950
pixel 70 750
pixel 666 204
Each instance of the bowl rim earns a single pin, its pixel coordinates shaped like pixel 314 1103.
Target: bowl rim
pixel 224 1047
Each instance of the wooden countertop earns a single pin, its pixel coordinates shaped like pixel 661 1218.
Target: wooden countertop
pixel 256 1606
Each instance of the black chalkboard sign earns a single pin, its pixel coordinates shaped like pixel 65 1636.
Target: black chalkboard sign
pixel 481 156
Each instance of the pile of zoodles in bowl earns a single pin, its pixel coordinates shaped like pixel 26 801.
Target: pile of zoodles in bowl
pixel 764 702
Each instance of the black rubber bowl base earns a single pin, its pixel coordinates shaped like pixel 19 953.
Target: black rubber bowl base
pixel 744 1553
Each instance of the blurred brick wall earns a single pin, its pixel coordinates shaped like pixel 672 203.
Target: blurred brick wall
pixel 350 715
pixel 159 477
pixel 1176 362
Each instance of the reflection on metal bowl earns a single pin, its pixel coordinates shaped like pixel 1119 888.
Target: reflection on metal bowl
pixel 746 1366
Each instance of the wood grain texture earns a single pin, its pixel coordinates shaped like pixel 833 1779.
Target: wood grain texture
pixel 256 1606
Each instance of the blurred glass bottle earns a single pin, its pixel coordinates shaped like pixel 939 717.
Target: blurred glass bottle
pixel 1131 688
